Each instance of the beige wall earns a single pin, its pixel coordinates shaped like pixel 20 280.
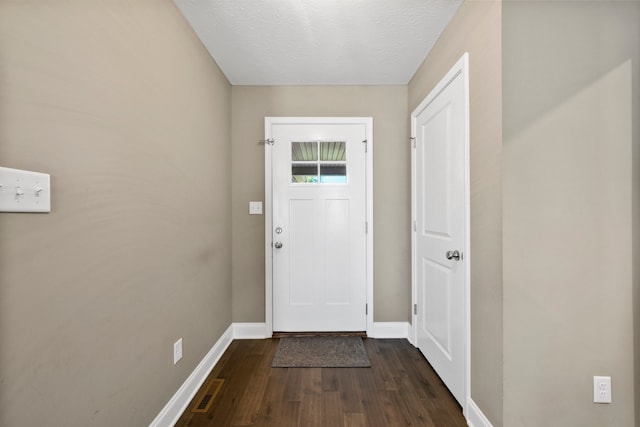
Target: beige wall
pixel 571 121
pixel 121 104
pixel 388 107
pixel 476 29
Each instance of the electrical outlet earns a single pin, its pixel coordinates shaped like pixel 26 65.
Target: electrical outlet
pixel 601 389
pixel 177 351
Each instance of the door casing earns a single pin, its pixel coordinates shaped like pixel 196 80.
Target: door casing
pixel 268 190
pixel 461 67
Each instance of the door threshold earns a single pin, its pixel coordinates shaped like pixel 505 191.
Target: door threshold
pixel 362 334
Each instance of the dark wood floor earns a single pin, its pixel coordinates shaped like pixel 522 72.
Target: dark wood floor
pixel 400 389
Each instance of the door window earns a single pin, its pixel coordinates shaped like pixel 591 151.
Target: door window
pixel 323 162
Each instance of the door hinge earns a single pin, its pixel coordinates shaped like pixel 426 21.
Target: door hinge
pixel 415 225
pixel 415 308
pixel 366 227
pixel 366 144
pixel 366 309
pixel 268 141
pixel 413 141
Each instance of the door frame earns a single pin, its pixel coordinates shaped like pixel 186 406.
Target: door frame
pixel 367 122
pixel 461 67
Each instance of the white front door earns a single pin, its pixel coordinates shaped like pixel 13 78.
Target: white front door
pixel 318 226
pixel 440 259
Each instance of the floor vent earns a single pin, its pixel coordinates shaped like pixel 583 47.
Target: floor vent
pixel 206 396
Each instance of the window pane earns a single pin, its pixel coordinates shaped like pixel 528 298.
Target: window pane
pixel 333 173
pixel 305 172
pixel 334 151
pixel 304 151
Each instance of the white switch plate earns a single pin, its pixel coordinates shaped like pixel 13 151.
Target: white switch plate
pixel 601 389
pixel 24 191
pixel 255 208
pixel 177 351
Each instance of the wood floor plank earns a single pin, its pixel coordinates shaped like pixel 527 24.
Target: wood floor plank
pixel 310 411
pixel 392 361
pixel 288 414
pixel 400 389
pixel 354 419
pixel 411 405
pixel 250 403
pixel 372 404
pixel 332 409
pixel 390 408
pixel 311 383
pixel 238 375
pixel 293 384
pixel 351 391
pixel 330 379
pixel 383 378
pixel 273 397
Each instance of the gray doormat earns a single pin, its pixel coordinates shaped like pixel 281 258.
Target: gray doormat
pixel 321 352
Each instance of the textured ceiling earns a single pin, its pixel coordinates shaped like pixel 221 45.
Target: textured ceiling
pixel 318 42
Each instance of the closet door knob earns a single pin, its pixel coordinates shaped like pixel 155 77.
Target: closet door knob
pixel 453 255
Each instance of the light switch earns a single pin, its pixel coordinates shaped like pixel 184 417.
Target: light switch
pixel 255 208
pixel 24 191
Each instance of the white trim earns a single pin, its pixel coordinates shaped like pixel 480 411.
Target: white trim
pixel 176 406
pixel 475 417
pixel 390 330
pixel 461 67
pixel 256 331
pixel 250 331
pixel 268 121
pixel 268 226
pixel 463 64
pixel 368 121
pixel 410 336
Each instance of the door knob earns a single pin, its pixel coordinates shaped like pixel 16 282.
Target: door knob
pixel 454 255
pixel 278 245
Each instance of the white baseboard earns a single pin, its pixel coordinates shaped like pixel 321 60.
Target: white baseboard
pixel 411 335
pixel 249 331
pixel 475 417
pixel 390 330
pixel 380 330
pixel 180 400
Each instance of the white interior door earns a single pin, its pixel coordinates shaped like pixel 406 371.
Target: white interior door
pixel 318 235
pixel 439 126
